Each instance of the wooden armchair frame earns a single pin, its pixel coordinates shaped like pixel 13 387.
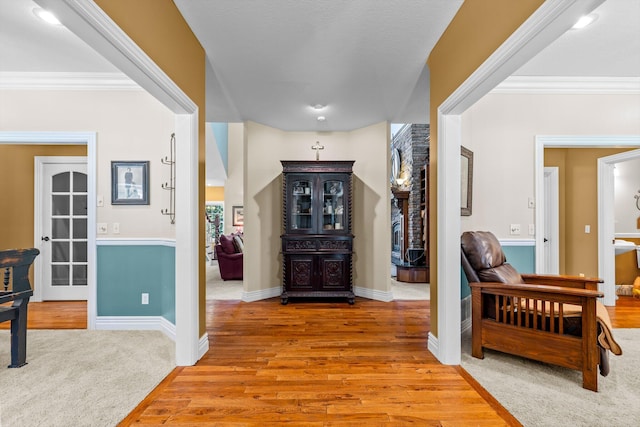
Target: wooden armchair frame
pixel 529 322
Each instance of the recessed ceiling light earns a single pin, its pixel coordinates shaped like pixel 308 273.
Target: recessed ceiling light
pixel 584 21
pixel 46 16
pixel 321 118
pixel 318 107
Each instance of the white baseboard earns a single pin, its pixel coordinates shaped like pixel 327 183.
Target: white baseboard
pixel 384 296
pixel 137 323
pixel 252 296
pixel 432 345
pixel 203 345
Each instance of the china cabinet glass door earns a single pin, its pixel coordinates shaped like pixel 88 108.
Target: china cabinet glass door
pixel 301 205
pixel 333 209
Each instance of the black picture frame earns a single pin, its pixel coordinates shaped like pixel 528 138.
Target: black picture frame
pixel 466 181
pixel 130 182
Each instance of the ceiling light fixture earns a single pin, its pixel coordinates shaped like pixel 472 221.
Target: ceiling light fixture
pixel 584 21
pixel 321 118
pixel 46 16
pixel 318 106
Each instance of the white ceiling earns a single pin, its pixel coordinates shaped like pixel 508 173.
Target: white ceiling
pixel 270 61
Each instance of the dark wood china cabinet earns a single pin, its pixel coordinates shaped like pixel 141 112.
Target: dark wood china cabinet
pixel 317 243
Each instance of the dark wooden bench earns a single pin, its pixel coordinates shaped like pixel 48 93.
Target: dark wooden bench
pixel 15 263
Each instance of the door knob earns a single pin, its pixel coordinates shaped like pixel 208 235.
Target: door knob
pixel 45 238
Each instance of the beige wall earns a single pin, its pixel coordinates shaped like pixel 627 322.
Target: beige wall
pixel 501 128
pixel 130 125
pixel 264 149
pixel 234 185
pixel 476 31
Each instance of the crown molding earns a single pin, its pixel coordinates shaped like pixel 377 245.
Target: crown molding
pixel 65 81
pixel 569 85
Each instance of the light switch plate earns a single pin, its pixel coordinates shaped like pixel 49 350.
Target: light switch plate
pixel 515 229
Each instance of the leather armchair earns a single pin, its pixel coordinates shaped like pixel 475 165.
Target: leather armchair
pixel 550 318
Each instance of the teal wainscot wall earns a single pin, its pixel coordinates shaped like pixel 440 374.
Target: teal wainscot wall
pixel 125 272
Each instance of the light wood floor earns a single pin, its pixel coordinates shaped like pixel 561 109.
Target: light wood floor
pixel 315 364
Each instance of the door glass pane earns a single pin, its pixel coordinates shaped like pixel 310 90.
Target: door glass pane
pixel 302 192
pixel 60 183
pixel 60 275
pixel 79 182
pixel 79 228
pixel 79 275
pixel 79 251
pixel 80 205
pixel 60 228
pixel 59 204
pixel 333 208
pixel 60 251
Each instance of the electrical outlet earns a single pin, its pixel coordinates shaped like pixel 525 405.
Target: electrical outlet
pixel 145 298
pixel 115 227
pixel 102 228
pixel 515 229
pixel 532 229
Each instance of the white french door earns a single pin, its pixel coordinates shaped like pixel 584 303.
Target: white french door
pixel 63 225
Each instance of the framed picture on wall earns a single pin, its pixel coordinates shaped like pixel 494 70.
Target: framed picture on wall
pixel 238 215
pixel 129 183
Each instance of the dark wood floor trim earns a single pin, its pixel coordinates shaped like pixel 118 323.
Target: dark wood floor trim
pixel 142 406
pixel 492 401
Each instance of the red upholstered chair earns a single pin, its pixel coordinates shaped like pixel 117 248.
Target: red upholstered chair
pixel 229 258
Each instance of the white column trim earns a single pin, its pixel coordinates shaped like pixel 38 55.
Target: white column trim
pixel 98 30
pixel 546 24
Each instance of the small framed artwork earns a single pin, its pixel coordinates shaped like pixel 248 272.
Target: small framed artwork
pixel 130 183
pixel 238 215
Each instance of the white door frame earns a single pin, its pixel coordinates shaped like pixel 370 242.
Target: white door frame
pixel 69 138
pixel 98 30
pixel 604 224
pixel 552 226
pixel 546 24
pixel 38 172
pixel 606 219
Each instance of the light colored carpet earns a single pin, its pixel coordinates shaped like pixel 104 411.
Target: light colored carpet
pixel 218 289
pixel 540 395
pixel 80 377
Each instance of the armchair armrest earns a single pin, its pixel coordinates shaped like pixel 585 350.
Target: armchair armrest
pixel 557 293
pixel 562 280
